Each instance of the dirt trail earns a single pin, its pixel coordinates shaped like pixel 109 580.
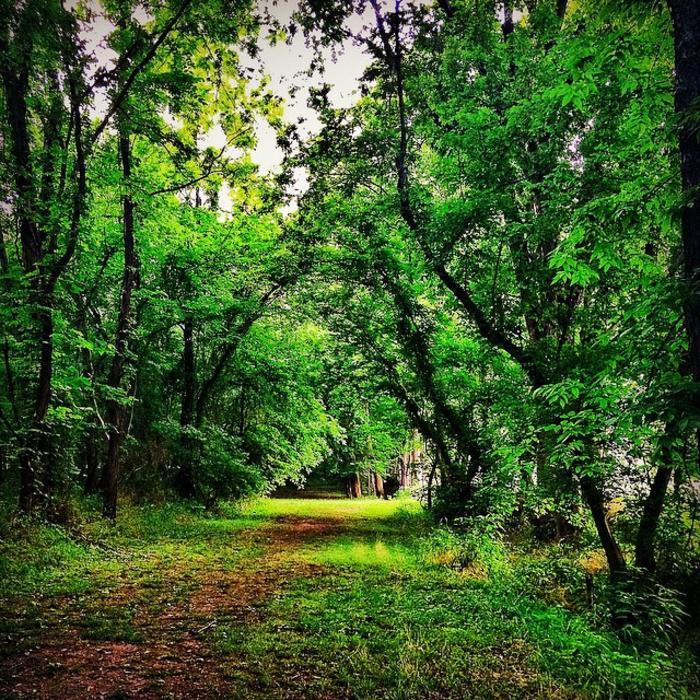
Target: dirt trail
pixel 171 658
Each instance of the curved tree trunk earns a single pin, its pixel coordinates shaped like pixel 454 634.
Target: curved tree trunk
pixel 596 503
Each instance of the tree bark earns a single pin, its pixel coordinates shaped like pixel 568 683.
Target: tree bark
pixel 354 486
pixel 686 24
pixel 378 485
pixel 594 498
pixel 91 461
pixel 644 556
pixel 185 476
pixel 115 410
pixel 431 478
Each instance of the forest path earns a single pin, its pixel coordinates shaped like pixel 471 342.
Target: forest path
pixel 293 598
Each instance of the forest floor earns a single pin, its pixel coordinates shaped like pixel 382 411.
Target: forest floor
pixel 285 598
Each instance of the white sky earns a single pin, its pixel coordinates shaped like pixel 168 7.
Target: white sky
pixel 283 63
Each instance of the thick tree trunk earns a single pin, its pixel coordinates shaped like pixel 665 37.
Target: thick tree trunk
pixel 115 410
pixel 354 486
pixel 378 485
pixel 644 556
pixel 16 85
pixel 507 24
pixel 185 476
pixel 686 24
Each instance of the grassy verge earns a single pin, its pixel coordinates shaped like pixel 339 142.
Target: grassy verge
pixel 394 618
pixel 43 559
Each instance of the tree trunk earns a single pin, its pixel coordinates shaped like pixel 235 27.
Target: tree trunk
pixel 91 461
pixel 404 471
pixel 33 483
pixel 15 85
pixel 354 486
pixel 185 476
pixel 115 410
pixel 594 498
pixel 416 343
pixel 507 24
pixel 644 556
pixel 431 478
pixel 686 24
pixel 90 468
pixel 378 485
pixel 43 396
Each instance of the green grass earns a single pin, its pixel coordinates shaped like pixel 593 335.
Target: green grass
pixel 386 621
pixel 97 578
pixel 355 553
pixel 362 600
pixel 373 510
pixel 39 559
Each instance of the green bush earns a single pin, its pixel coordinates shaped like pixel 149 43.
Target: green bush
pixel 223 471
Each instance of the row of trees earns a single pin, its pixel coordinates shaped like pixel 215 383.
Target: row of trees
pixel 504 203
pixel 148 313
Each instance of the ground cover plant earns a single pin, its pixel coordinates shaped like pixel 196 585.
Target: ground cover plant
pixel 287 598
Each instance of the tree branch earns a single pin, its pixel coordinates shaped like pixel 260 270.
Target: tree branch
pixel 138 68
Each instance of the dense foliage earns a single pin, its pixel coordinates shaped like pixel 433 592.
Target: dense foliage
pixel 502 207
pixel 156 272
